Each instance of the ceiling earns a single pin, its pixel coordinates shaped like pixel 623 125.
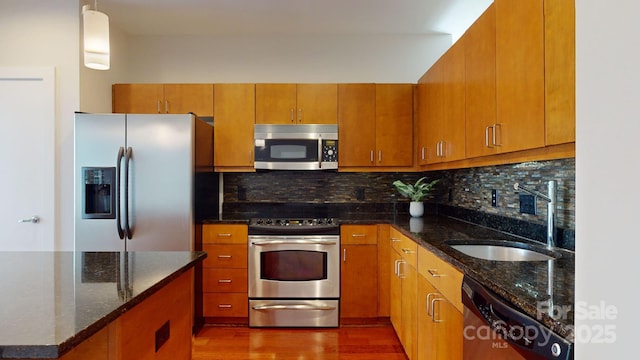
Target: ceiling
pixel 267 17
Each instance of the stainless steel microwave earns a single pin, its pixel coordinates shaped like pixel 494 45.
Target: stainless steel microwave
pixel 296 147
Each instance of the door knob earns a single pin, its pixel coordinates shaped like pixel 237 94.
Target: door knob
pixel 34 219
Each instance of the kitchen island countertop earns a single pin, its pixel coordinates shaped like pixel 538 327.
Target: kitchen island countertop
pixel 53 301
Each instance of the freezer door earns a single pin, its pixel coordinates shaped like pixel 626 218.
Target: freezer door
pixel 97 139
pixel 161 182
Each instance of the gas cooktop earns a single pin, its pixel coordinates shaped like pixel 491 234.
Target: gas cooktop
pixel 293 225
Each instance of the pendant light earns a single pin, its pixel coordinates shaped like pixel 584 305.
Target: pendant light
pixel 96 38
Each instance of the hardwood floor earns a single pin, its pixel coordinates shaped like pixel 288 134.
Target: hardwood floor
pixel 344 343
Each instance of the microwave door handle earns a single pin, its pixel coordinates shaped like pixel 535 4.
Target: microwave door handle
pixel 118 186
pixel 319 151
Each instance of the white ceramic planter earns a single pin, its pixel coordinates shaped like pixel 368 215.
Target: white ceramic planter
pixel 416 208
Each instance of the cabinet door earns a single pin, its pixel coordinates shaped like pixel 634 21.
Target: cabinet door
pixel 276 104
pixel 138 98
pixel 426 327
pixel 234 116
pixel 358 281
pixel 186 98
pixel 317 103
pixel 409 309
pixel 395 293
pixel 431 113
pixel 520 74
pixel 560 71
pixel 356 124
pixel 394 125
pixel 452 142
pixel 449 330
pixel 480 85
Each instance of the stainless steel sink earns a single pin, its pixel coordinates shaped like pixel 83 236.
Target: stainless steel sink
pixel 501 250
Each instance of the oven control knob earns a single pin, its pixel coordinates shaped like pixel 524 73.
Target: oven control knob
pixel 269 221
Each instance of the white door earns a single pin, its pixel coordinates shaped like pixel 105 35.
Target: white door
pixel 27 155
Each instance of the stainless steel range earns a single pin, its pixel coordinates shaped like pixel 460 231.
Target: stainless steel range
pixel 294 272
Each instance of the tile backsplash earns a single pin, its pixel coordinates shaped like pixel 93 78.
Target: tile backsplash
pixel 460 191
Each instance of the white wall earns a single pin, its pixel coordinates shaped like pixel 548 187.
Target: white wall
pixel 45 33
pixel 607 190
pixel 290 58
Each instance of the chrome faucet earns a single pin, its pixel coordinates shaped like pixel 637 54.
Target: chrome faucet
pixel 551 208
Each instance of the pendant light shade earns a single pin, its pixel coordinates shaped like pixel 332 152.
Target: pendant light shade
pixel 96 39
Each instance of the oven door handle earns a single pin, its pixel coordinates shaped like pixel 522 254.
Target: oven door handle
pixel 294 242
pixel 293 307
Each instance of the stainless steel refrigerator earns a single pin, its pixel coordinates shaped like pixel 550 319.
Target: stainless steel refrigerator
pixel 136 181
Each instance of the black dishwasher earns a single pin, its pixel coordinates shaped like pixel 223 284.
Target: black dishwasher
pixel 494 329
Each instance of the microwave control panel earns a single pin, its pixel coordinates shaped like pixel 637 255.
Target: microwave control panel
pixel 329 150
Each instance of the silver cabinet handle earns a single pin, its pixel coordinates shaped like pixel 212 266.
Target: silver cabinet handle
pixel 291 115
pixel 34 220
pixel 496 127
pixel 379 156
pixel 428 302
pixel 224 256
pixel 226 235
pixel 159 106
pixel 486 136
pixel 166 106
pixel 358 235
pixel 372 156
pixel 433 310
pixel 407 251
pixel 434 272
pixel 400 274
pixel 300 115
pixel 224 306
pixel 394 239
pixel 422 153
pixel 224 281
pixel 344 255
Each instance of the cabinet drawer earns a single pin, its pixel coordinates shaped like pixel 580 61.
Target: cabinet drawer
pixel 444 276
pixel 406 247
pixel 225 305
pixel 359 234
pixel 224 280
pixel 224 234
pixel 225 256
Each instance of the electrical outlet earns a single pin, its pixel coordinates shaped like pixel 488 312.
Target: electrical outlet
pixel 494 197
pixel 360 193
pixel 528 204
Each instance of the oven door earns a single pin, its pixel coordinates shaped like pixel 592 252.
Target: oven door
pixel 294 267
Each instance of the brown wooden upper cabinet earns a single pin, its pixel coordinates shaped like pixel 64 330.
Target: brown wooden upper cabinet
pixel 163 99
pixel 296 103
pixel 375 125
pixel 234 119
pixel 441 94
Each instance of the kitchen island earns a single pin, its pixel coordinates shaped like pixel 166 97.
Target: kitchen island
pixel 97 305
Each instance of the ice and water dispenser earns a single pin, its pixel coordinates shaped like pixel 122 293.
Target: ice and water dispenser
pixel 99 193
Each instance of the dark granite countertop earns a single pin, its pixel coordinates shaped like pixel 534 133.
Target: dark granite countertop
pixel 524 284
pixel 53 301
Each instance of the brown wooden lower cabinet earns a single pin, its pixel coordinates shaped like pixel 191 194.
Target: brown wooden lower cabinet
pixel 358 273
pixel 160 327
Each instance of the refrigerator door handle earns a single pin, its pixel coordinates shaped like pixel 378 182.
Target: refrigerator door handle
pixel 127 225
pixel 118 187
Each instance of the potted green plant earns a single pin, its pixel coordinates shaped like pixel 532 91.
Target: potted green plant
pixel 415 192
